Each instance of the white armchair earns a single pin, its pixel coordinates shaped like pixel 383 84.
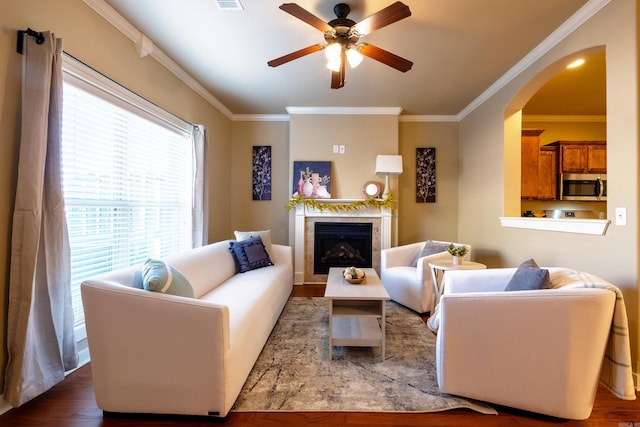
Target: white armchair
pixel 536 350
pixel 406 276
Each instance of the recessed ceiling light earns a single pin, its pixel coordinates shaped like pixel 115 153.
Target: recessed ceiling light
pixel 576 63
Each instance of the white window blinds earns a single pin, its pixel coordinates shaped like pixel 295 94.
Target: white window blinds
pixel 127 181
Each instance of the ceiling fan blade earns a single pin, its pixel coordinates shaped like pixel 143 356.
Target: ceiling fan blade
pixel 295 55
pixel 383 17
pixel 306 16
pixel 338 77
pixel 385 57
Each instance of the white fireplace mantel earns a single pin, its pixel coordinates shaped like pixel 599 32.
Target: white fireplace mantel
pixel 304 212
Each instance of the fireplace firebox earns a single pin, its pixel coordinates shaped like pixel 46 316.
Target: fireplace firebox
pixel 338 244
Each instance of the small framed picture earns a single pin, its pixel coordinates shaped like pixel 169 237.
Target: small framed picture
pixel 312 180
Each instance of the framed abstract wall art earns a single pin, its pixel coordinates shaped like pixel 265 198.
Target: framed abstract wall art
pixel 261 172
pixel 312 180
pixel 425 175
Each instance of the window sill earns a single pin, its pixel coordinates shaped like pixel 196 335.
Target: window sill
pixel 581 226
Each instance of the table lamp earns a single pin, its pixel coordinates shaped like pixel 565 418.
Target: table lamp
pixel 388 165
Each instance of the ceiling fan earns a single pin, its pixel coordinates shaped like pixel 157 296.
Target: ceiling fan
pixel 342 37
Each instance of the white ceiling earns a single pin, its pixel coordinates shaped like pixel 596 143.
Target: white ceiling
pixel 459 48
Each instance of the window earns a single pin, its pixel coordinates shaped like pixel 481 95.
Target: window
pixel 127 178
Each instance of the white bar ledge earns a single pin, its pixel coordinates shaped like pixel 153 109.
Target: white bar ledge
pixel 581 226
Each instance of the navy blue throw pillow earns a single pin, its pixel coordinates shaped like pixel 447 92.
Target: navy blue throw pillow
pixel 249 254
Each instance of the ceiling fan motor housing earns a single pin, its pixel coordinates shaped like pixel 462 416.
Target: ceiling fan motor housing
pixel 343 31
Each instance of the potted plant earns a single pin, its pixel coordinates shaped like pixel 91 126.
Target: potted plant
pixel 457 252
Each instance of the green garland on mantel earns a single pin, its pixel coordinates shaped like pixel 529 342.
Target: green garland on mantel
pixel 388 202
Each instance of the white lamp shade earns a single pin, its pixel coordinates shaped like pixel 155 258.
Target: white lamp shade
pixel 388 165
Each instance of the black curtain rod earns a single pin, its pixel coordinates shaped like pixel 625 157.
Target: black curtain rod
pixel 38 35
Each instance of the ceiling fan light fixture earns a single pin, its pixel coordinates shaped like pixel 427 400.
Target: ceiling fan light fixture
pixel 333 51
pixel 334 64
pixel 354 57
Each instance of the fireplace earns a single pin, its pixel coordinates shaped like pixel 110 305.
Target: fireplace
pixel 342 244
pixel 304 235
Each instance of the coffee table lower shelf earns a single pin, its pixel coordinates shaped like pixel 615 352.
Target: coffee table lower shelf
pixel 356 332
pixel 356 324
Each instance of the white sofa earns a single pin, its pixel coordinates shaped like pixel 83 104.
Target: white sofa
pixel 407 284
pixel 536 350
pixel 156 353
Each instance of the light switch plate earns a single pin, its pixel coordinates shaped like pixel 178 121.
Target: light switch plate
pixel 621 216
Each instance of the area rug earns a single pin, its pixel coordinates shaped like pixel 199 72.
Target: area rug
pixel 294 374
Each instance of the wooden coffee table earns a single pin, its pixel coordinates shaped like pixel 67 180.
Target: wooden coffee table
pixel 356 312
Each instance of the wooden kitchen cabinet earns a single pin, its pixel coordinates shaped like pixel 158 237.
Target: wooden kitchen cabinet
pixel 547 173
pixel 582 156
pixel 529 161
pixel 597 158
pixel 539 166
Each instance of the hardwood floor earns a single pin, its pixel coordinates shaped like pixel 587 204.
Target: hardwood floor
pixel 72 404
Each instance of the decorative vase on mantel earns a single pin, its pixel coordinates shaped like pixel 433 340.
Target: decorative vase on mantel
pixel 457 260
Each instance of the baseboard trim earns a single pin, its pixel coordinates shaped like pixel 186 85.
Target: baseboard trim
pixel 4 405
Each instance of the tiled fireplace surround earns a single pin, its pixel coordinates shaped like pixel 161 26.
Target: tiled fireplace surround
pixel 306 217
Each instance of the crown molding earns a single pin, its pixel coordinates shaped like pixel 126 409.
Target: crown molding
pixel 260 118
pixel 435 118
pixel 132 33
pixel 380 111
pixel 565 119
pixel 576 20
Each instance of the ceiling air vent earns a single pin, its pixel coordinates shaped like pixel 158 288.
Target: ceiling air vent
pixel 228 4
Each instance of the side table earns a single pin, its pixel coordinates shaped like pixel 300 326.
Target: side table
pixel 437 275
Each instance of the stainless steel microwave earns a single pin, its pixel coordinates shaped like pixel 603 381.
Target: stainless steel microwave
pixel 583 186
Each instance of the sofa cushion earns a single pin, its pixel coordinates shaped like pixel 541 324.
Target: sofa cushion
pixel 265 235
pixel 159 276
pixel 528 276
pixel 249 254
pixel 430 247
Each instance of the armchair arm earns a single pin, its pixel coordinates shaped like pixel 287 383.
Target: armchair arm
pixel 423 268
pixel 539 350
pixel 424 273
pixel 281 254
pixel 488 280
pixel 399 255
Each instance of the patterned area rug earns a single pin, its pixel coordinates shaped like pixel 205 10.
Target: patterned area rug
pixel 294 373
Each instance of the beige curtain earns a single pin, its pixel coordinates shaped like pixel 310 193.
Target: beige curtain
pixel 200 212
pixel 40 339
